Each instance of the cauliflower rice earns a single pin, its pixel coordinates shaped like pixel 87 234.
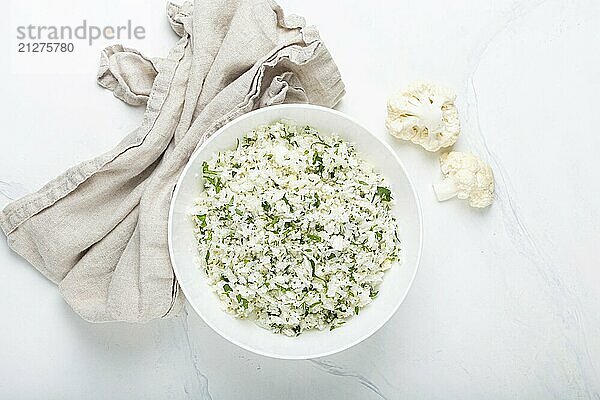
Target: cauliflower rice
pixel 294 230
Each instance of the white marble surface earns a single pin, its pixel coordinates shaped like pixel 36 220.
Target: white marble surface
pixel 505 304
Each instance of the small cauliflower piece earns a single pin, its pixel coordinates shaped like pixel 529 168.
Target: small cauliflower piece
pixel 466 177
pixel 426 115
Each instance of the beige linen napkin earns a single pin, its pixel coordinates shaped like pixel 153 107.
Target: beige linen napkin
pixel 100 229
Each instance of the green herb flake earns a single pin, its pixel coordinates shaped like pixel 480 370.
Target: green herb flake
pixel 314 305
pixel 316 238
pixel 286 201
pixel 206 171
pixel 201 220
pixel 215 181
pixel 320 143
pixel 335 326
pixel 266 206
pixel 318 163
pixel 243 301
pixel 274 220
pixel 384 193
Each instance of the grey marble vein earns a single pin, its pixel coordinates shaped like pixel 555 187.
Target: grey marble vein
pixel 519 10
pixel 201 378
pixel 12 190
pixel 567 305
pixel 333 369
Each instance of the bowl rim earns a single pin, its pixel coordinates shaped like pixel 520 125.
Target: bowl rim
pixel 267 110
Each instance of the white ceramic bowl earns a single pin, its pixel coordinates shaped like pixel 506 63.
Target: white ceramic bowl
pixel 311 344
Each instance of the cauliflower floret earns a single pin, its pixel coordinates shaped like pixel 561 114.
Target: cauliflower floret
pixel 466 177
pixel 426 115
